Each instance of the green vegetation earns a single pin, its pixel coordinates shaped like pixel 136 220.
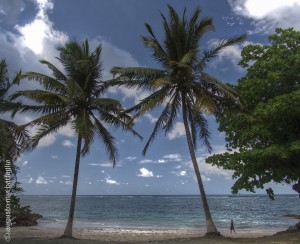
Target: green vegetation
pixel 13 142
pixel 263 135
pixel 263 141
pixel 74 98
pixel 181 83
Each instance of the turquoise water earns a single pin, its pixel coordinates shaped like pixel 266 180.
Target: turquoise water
pixel 166 212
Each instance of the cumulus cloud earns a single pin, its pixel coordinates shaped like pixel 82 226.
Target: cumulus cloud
pixel 150 117
pixel 150 161
pixel 44 34
pixel 27 181
pixel 230 54
pixel 66 182
pixel 41 180
pixel 66 131
pixel 180 173
pixel 68 143
pixel 205 178
pixel 111 182
pixel 177 132
pixel 145 173
pixel 209 169
pixel 37 40
pixel 266 16
pixel 173 157
pixel 47 141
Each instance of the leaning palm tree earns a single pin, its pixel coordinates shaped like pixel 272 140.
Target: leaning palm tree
pixel 181 86
pixel 74 98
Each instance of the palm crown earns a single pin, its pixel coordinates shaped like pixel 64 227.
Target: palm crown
pixel 182 80
pixel 74 97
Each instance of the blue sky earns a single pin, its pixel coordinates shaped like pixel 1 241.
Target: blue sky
pixel 31 29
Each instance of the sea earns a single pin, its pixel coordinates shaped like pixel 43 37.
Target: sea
pixel 249 212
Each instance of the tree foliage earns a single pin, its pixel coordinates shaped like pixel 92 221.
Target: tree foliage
pixel 13 142
pixel 263 141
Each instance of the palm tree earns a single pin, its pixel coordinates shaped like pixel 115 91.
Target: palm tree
pixel 74 97
pixel 15 141
pixel 181 86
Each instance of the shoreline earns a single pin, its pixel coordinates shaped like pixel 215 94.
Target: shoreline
pixel 127 235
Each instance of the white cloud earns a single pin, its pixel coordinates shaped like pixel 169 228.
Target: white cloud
pixel 173 157
pixel 147 161
pixel 111 182
pixel 209 169
pixel 43 30
pixel 177 132
pixel 205 178
pixel 145 173
pixel 266 16
pixel 230 54
pixel 159 176
pixel 41 180
pixel 28 181
pixel 25 163
pixel 66 182
pixel 105 164
pixel 54 156
pixel 130 158
pixel 161 161
pixel 66 131
pixel 47 141
pixel 180 173
pixel 65 176
pixel 68 143
pixel 151 118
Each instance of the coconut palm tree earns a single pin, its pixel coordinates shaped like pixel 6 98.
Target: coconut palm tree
pixel 74 97
pixel 15 140
pixel 181 86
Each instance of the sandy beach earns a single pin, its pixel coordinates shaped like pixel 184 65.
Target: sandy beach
pixel 38 234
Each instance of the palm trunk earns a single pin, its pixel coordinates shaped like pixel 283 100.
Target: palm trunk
pixel 211 228
pixel 69 228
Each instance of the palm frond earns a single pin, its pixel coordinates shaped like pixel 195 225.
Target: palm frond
pixel 175 103
pixel 135 76
pixel 160 123
pixel 150 102
pixel 108 140
pixel 211 53
pixel 118 119
pixel 48 83
pixel 84 126
pixel 219 90
pixel 201 126
pixel 46 129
